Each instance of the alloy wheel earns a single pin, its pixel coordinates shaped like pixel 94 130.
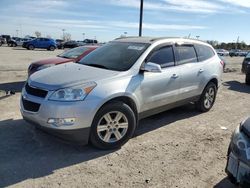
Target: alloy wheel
pixel 112 127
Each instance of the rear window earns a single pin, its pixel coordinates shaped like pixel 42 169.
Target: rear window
pixel 204 52
pixel 185 54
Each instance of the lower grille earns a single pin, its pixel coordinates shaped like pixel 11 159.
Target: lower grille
pixel 30 106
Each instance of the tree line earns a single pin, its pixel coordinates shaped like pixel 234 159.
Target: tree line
pixel 228 46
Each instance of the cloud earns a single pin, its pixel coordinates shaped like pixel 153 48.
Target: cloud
pixel 241 3
pixel 195 6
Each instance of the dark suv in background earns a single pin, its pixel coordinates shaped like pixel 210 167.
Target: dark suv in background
pixel 246 68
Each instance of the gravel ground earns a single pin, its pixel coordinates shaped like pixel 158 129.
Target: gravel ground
pixel 177 148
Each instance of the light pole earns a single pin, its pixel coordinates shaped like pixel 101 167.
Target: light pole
pixel 83 36
pixel 141 15
pixel 63 32
pixel 17 33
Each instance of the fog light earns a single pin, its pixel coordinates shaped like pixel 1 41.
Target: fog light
pixel 61 121
pixel 242 144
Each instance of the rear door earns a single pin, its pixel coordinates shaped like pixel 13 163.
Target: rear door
pixel 191 72
pixel 193 61
pixel 161 88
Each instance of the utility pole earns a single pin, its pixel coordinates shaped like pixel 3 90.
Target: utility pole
pixel 63 33
pixel 141 15
pixel 83 36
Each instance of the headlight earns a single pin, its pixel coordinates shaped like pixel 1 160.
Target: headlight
pixel 76 93
pixel 239 140
pixel 45 66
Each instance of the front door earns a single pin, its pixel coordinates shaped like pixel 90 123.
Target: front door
pixel 160 89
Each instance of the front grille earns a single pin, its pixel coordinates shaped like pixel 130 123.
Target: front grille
pixel 30 106
pixel 36 92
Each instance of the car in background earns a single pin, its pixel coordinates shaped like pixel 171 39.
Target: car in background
pixel 71 44
pixel 222 52
pixel 44 43
pixel 238 155
pixel 90 41
pixel 18 41
pixel 5 39
pixel 246 68
pixel 102 97
pixel 59 43
pixel 72 55
pixel 245 63
pixel 2 40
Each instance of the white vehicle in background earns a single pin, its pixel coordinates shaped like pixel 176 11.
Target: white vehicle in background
pixel 222 52
pixel 18 41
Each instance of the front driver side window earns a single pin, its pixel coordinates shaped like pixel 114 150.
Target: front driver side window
pixel 163 56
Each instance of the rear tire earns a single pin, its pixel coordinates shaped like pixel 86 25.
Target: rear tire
pixel 207 98
pixel 114 124
pixel 247 79
pixel 51 48
pixel 31 47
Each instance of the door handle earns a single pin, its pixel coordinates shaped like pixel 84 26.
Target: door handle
pixel 175 76
pixel 201 70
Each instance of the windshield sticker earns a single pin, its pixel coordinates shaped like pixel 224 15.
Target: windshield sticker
pixel 136 48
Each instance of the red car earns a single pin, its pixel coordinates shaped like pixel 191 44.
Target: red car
pixel 72 55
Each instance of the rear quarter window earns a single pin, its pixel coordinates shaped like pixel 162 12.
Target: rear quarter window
pixel 204 52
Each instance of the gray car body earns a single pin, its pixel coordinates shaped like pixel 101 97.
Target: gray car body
pixel 149 92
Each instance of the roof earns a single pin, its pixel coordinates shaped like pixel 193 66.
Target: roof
pixel 151 40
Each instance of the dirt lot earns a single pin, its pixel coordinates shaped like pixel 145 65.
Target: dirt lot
pixel 177 148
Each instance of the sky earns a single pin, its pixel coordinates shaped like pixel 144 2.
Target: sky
pixel 221 20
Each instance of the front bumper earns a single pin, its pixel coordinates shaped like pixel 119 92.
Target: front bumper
pixel 82 111
pixel 79 136
pixel 237 169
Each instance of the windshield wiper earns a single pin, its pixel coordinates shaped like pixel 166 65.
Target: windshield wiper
pixel 63 56
pixel 96 65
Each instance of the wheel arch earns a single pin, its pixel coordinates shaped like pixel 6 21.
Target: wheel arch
pixel 125 99
pixel 215 81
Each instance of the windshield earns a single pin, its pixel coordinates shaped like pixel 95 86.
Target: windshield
pixel 74 53
pixel 118 56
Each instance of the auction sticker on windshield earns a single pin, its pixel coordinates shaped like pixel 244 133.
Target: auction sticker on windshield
pixel 136 48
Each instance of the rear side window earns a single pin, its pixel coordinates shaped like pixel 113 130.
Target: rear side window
pixel 185 54
pixel 164 57
pixel 204 52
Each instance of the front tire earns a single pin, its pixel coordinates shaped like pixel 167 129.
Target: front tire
pixel 114 124
pixel 207 98
pixel 51 48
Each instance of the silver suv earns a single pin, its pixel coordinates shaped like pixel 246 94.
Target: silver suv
pixel 101 98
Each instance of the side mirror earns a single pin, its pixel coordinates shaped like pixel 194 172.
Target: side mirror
pixel 151 67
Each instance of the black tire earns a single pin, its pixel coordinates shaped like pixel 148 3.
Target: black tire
pixel 205 102
pixel 51 48
pixel 31 47
pixel 130 120
pixel 247 79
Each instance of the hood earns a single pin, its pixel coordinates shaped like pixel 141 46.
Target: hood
pixel 67 75
pixel 55 60
pixel 245 127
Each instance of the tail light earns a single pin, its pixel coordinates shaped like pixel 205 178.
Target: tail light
pixel 222 63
